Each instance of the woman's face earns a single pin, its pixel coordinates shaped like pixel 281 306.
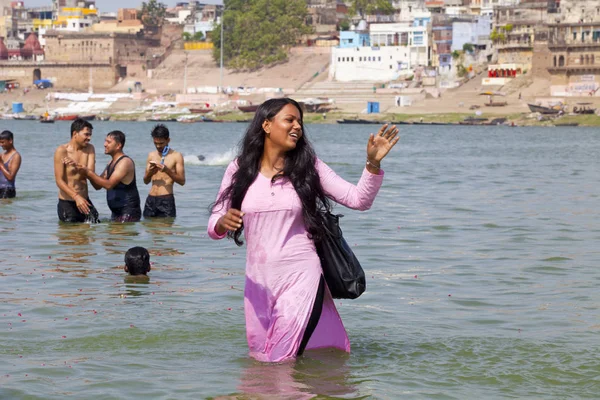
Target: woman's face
pixel 285 129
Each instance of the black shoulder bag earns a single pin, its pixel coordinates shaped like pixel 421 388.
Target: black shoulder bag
pixel 341 269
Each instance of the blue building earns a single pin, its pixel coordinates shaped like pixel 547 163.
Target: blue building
pixel 349 39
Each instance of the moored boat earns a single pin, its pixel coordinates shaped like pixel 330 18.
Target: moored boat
pixel 250 108
pixel 200 110
pixel 67 117
pixel 357 121
pixel 89 117
pixel 544 110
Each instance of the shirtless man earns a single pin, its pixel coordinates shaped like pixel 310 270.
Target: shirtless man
pixel 163 167
pixel 74 204
pixel 10 162
pixel 118 179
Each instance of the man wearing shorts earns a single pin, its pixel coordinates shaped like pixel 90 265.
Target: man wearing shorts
pixel 74 204
pixel 163 167
pixel 10 162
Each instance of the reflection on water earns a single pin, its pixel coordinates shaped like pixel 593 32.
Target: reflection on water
pixel 321 372
pixel 117 233
pixel 74 244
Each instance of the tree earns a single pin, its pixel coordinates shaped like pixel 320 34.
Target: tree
pixel 344 25
pixel 198 36
pixel 152 13
pixel 366 7
pixel 456 54
pixel 257 33
pixel 508 28
pixel 186 36
pixel 468 48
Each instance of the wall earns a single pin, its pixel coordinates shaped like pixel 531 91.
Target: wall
pixel 63 76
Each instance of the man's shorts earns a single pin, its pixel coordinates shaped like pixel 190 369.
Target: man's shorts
pixel 160 206
pixel 68 212
pixel 7 193
pixel 126 214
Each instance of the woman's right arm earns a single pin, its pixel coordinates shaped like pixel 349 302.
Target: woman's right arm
pixel 221 209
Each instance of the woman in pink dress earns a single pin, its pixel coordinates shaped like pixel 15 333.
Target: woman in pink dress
pixel 274 192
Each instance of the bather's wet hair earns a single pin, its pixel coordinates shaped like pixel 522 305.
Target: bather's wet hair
pixel 79 124
pixel 299 168
pixel 137 261
pixel 160 131
pixel 118 137
pixel 6 135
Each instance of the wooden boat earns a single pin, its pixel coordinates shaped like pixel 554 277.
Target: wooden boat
pixel 567 124
pixel 200 110
pixel 90 117
pixel 160 119
pixel 68 117
pixel 103 118
pixel 357 121
pixel 583 108
pixel 20 117
pixel 250 108
pixel 543 110
pixel 47 121
pixel 473 121
pixel 496 104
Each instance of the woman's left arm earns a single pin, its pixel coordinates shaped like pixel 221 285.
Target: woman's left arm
pixel 361 196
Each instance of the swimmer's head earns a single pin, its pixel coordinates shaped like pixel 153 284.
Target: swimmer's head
pixel 137 261
pixel 6 140
pixel 160 137
pixel 80 125
pixel 115 141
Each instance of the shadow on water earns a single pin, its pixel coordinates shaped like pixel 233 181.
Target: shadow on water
pixel 136 285
pixel 118 233
pixel 322 373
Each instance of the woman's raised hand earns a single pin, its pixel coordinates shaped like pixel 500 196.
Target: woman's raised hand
pixel 231 221
pixel 379 145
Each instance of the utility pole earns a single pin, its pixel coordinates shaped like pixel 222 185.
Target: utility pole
pixel 185 74
pixel 222 22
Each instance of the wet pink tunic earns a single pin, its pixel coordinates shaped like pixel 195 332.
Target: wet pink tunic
pixel 282 266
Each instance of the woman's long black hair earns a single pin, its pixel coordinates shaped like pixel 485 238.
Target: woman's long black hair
pixel 299 168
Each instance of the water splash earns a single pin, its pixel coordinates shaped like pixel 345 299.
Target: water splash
pixel 210 159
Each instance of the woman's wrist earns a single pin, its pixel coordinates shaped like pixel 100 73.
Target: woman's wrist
pixel 374 164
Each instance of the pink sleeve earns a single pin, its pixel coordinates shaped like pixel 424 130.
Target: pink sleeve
pixel 221 209
pixel 359 197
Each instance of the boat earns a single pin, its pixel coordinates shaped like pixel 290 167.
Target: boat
pixel 567 124
pixel 24 117
pixel 200 110
pixel 47 121
pixel 68 117
pixel 357 121
pixel 473 121
pixel 544 110
pixel 103 118
pixel 496 104
pixel 250 108
pixel 583 108
pixel 161 119
pixel 90 117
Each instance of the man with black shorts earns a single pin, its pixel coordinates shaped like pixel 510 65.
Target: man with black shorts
pixel 118 179
pixel 74 204
pixel 163 167
pixel 10 162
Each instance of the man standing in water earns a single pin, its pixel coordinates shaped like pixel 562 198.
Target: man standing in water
pixel 10 162
pixel 74 204
pixel 118 179
pixel 163 167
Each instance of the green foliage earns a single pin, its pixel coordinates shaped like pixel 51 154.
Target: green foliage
pixel 344 25
pixel 186 36
pixel 468 47
pixel 152 13
pixel 494 35
pixel 508 27
pixel 198 36
pixel 367 7
pixel 461 70
pixel 456 54
pixel 258 33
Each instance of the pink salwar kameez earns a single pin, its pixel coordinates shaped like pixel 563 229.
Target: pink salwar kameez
pixel 282 266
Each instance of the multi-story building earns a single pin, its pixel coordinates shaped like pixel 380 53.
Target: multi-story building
pixel 574 44
pixel 74 15
pixel 393 50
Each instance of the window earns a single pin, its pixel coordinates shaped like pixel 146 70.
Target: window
pixel 338 59
pixel 352 59
pixel 350 40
